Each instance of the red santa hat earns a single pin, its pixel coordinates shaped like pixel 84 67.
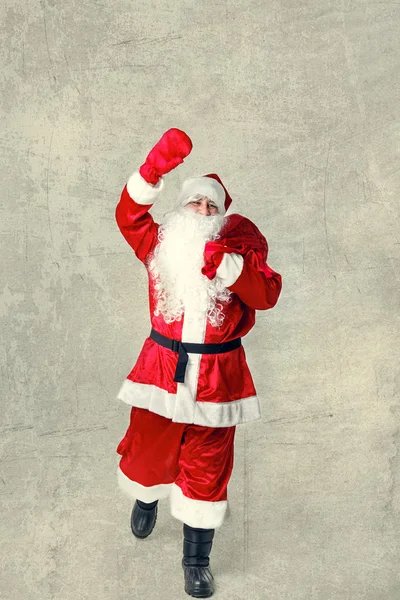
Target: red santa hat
pixel 207 185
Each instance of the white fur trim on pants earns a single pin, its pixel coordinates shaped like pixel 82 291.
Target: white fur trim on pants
pixel 137 491
pixel 196 513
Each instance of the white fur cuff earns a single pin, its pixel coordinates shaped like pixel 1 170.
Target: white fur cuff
pixel 142 192
pixel 196 513
pixel 230 268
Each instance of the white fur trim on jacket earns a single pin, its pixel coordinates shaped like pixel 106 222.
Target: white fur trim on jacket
pixel 193 329
pixel 230 268
pixel 137 491
pixel 142 192
pixel 196 513
pixel 210 414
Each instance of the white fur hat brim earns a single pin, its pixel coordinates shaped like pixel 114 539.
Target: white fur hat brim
pixel 207 187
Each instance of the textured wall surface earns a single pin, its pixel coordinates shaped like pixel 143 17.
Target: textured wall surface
pixel 295 104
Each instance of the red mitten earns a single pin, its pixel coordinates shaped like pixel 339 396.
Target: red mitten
pixel 213 255
pixel 167 154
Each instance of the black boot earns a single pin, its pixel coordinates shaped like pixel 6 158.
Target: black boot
pixel 199 581
pixel 143 518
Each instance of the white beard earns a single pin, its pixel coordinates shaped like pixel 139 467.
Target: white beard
pixel 176 267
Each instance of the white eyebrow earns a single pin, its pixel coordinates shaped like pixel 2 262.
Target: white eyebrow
pixel 208 202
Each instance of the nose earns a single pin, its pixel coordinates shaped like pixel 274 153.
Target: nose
pixel 204 209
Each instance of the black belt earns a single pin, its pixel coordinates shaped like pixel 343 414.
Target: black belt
pixel 182 348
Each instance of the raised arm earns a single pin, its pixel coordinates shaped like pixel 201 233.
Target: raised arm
pixel 132 216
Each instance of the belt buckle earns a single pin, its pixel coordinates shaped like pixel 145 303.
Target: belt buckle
pixel 175 346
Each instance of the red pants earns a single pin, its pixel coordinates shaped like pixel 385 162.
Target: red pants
pixel 191 464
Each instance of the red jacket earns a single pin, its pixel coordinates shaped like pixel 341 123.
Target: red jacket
pixel 218 390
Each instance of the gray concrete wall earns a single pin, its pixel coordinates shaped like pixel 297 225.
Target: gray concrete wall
pixel 296 106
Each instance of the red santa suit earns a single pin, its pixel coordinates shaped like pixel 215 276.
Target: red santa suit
pixel 180 439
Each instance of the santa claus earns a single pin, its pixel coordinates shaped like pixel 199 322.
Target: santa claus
pixel 191 384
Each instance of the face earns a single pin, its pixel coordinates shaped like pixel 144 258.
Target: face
pixel 203 206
